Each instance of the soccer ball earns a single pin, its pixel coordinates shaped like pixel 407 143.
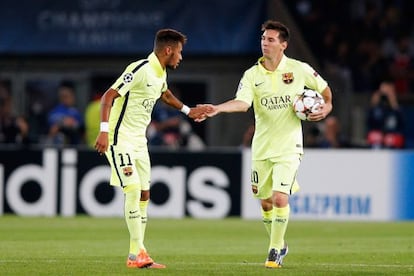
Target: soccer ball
pixel 306 103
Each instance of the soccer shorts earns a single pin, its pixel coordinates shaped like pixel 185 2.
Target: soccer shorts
pixel 129 167
pixel 275 174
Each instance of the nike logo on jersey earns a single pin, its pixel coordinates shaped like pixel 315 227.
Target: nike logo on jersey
pixel 283 184
pixel 259 83
pixel 149 85
pixel 133 212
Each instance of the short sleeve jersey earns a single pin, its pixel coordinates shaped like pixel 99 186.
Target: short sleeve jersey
pixel 278 130
pixel 140 86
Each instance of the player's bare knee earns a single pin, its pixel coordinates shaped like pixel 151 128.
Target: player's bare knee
pixel 280 200
pixel 267 204
pixel 145 195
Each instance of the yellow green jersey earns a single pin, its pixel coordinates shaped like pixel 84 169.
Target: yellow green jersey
pixel 278 130
pixel 140 86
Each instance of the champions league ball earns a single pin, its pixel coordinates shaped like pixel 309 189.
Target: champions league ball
pixel 306 103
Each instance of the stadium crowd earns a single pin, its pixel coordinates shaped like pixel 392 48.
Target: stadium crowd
pixel 365 41
pixel 369 40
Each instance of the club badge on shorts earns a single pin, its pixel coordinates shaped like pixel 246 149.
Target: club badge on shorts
pixel 127 171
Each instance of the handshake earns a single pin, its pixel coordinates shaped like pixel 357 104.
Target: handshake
pixel 202 111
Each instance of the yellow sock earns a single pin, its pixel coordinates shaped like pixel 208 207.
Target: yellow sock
pixel 143 206
pixel 267 220
pixel 280 221
pixel 133 220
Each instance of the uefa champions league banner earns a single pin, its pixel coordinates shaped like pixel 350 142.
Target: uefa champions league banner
pixel 362 185
pixel 128 27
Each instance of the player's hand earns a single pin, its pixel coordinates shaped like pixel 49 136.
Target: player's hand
pixel 101 144
pixel 212 110
pixel 321 113
pixel 199 113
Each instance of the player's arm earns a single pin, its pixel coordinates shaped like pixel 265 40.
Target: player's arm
pixel 325 109
pixel 195 112
pixel 101 144
pixel 226 107
pixel 230 107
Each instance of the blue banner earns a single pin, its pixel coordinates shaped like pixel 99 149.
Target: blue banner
pixel 128 27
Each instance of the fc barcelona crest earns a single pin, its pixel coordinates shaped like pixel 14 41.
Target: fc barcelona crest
pixel 288 77
pixel 127 171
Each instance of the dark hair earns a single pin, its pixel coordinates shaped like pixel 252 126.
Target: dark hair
pixel 284 33
pixel 167 37
pixel 67 84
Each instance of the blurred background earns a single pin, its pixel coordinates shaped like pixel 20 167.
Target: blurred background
pixel 60 56
pixel 86 44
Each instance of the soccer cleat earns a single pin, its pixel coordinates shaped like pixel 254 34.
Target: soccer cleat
pixel 283 252
pixel 131 262
pixel 156 265
pixel 143 259
pixel 272 260
pixel 139 261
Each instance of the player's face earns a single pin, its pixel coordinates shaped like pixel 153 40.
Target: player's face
pixel 175 56
pixel 271 45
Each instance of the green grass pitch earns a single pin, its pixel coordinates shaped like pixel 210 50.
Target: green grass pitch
pixel 98 246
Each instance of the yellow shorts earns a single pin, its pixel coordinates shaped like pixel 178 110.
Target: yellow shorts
pixel 129 167
pixel 275 174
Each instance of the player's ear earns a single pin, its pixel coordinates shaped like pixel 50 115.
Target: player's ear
pixel 168 50
pixel 284 44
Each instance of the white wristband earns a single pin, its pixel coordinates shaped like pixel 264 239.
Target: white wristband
pixel 185 109
pixel 104 127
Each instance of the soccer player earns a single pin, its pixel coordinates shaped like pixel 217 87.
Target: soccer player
pixel 125 113
pixel 277 147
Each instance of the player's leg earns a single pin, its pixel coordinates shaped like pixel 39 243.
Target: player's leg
pixel 143 166
pixel 284 178
pixel 133 221
pixel 267 213
pixel 125 174
pixel 261 178
pixel 280 220
pixel 143 206
pixel 262 189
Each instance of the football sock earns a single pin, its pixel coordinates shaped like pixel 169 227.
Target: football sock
pixel 267 220
pixel 133 220
pixel 280 221
pixel 143 205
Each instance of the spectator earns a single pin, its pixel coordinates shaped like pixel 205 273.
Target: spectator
pixel 331 134
pixel 65 121
pixel 326 134
pixel 169 128
pixel 165 126
pixel 92 119
pixel 385 124
pixel 402 66
pixel 13 129
pixel 382 45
